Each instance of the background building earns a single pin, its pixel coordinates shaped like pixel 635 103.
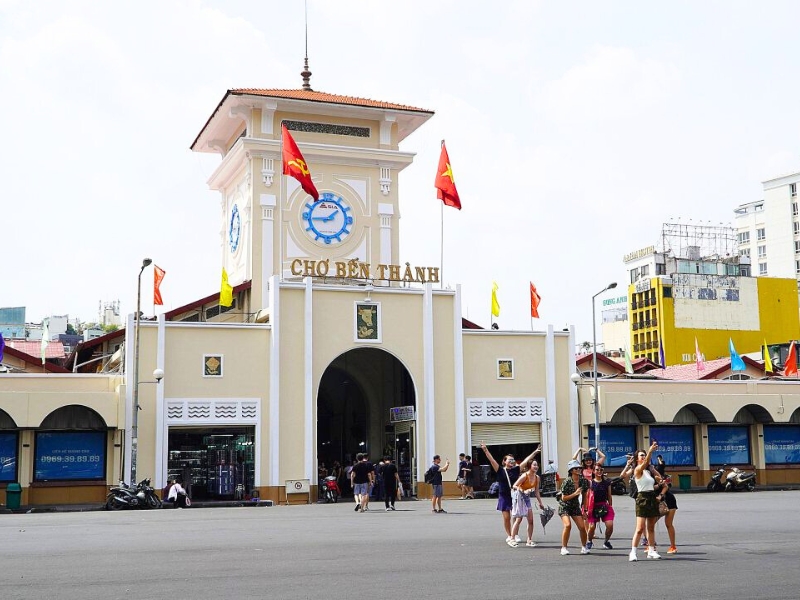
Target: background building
pixel 768 230
pixel 698 288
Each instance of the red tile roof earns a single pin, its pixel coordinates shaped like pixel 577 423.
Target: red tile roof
pixel 54 349
pixel 313 96
pixel 689 372
pixel 34 360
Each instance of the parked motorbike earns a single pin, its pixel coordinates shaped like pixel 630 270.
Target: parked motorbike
pixel 618 486
pixel 716 484
pixel 330 489
pixel 740 480
pixel 126 496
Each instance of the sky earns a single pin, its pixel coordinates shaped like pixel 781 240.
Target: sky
pixel 574 128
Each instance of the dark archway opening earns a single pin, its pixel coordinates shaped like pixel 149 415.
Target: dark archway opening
pixel 356 394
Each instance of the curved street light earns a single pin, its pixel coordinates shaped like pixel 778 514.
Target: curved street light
pixel 135 421
pixel 596 399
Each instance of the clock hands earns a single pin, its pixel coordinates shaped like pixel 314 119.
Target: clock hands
pixel 326 219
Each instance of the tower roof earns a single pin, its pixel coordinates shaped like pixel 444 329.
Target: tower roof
pixel 408 118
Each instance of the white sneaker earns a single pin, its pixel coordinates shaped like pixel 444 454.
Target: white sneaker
pixel 517 539
pixel 508 539
pixel 632 556
pixel 564 551
pixel 585 550
pixel 531 544
pixel 653 554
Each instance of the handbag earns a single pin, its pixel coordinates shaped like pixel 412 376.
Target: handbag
pixel 461 480
pixel 600 511
pixel 663 509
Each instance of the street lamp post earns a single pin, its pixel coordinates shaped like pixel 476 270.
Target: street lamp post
pixel 135 421
pixel 596 399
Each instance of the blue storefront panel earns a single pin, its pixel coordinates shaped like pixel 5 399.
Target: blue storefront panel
pixel 70 455
pixel 675 444
pixel 729 444
pixel 782 444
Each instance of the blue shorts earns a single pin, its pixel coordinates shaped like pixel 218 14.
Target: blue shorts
pixel 361 489
pixel 437 491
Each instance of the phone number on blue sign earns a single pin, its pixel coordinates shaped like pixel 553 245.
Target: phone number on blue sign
pixel 70 459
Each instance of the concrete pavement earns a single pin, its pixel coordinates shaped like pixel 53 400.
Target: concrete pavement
pixel 731 545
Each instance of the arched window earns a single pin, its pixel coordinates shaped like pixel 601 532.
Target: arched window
pixel 9 444
pixel 71 446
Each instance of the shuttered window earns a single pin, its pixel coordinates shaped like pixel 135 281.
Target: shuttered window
pixel 495 434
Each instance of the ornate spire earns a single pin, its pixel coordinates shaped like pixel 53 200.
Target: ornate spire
pixel 305 73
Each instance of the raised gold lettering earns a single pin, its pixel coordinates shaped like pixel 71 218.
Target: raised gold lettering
pixel 341 269
pixel 296 266
pixel 394 272
pixel 420 274
pixel 408 274
pixel 382 271
pixel 433 274
pixel 363 270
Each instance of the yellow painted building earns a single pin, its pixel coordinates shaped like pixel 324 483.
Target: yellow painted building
pixel 671 312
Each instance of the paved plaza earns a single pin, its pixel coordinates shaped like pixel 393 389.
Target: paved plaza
pixel 731 545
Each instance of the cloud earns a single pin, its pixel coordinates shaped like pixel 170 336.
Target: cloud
pixel 611 84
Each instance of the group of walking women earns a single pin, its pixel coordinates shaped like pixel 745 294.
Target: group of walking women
pixel 585 499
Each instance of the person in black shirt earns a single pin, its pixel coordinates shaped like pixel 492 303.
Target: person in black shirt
pixel 390 480
pixel 436 482
pixel 363 475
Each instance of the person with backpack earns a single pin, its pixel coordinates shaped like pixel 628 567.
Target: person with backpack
pixel 509 473
pixel 433 476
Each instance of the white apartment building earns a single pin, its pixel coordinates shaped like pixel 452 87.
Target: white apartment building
pixel 768 230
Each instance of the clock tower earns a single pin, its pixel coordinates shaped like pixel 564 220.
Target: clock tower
pixel 269 225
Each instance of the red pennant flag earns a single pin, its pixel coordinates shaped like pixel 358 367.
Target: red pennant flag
pixel 444 183
pixel 535 300
pixel 791 362
pixel 158 275
pixel 295 165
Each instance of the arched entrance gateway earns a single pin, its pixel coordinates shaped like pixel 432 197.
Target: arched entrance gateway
pixel 366 403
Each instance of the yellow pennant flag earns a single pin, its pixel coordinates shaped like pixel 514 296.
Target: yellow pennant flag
pixel 495 303
pixel 226 291
pixel 767 360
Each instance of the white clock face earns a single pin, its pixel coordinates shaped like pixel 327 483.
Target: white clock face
pixel 329 220
pixel 234 229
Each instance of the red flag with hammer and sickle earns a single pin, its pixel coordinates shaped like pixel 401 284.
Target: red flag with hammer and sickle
pixel 295 165
pixel 444 183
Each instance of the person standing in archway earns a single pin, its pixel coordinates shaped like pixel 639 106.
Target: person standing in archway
pixel 390 480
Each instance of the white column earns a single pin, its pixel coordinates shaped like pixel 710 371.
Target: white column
pixel 385 212
pixel 458 348
pixel 428 387
pixel 162 439
pixel 129 341
pixel 267 203
pixel 308 383
pixel 274 382
pixel 549 448
pixel 576 426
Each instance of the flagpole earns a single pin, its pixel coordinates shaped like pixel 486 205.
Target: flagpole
pixel 441 241
pixel 441 247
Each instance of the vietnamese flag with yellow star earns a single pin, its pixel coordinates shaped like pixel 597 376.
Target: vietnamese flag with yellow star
pixel 295 165
pixel 445 184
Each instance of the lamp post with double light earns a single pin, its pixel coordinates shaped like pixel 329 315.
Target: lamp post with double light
pixel 596 399
pixel 135 420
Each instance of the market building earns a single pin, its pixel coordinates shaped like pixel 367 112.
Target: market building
pixel 333 344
